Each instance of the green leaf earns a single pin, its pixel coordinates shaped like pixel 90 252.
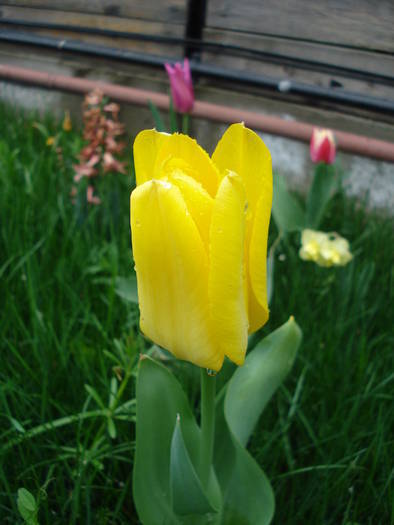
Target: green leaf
pixel 324 186
pixel 160 399
pixel 94 394
pixel 27 506
pixel 111 428
pixel 270 274
pixel 113 390
pixel 253 384
pixel 247 493
pixel 41 128
pixel 156 117
pixel 187 494
pixel 126 288
pixel 287 212
pixel 249 496
pixel 18 427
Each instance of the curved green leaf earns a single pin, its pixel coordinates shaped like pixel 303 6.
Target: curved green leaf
pixel 187 494
pixel 247 493
pixel 248 498
pixel 253 384
pixel 160 399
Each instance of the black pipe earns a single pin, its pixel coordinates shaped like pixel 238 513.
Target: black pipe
pixel 195 22
pixel 192 43
pixel 308 91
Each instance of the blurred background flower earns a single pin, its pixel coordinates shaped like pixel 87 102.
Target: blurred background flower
pixel 325 249
pixel 322 146
pixel 181 86
pixel 102 131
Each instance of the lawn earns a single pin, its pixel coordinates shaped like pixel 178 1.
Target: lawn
pixel 70 344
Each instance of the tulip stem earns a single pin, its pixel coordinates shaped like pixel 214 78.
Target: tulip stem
pixel 185 123
pixel 208 388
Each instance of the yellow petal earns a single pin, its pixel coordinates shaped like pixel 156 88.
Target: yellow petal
pixel 198 202
pixel 257 263
pixel 172 274
pixel 226 274
pixel 146 148
pixel 242 150
pixel 158 154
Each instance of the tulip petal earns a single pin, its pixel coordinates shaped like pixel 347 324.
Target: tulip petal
pixel 198 202
pixel 156 154
pixel 172 274
pixel 226 275
pixel 257 263
pixel 242 150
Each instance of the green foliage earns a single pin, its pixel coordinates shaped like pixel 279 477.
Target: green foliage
pixel 65 327
pixel 286 210
pixel 325 439
pixel 324 185
pixel 156 475
pixel 167 473
pixel 188 496
pixel 288 214
pixel 27 506
pixel 159 124
pixel 253 385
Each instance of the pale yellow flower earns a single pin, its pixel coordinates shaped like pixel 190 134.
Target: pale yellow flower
pixel 325 249
pixel 50 141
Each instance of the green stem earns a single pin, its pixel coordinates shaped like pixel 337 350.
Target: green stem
pixel 185 123
pixel 208 387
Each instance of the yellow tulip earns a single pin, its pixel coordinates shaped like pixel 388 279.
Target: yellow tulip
pixel 199 233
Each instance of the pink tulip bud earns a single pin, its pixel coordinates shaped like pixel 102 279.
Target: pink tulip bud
pixel 322 147
pixel 181 86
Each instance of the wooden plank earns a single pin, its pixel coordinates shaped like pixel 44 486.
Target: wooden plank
pixel 164 11
pixel 353 58
pixel 99 22
pixel 359 23
pixel 115 23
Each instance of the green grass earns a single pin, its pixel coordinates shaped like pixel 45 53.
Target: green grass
pixel 326 439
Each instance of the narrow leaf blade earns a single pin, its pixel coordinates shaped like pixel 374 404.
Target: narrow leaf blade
pixel 287 212
pixel 324 186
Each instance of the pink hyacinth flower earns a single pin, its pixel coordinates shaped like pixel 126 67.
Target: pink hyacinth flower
pixel 322 147
pixel 92 199
pixel 181 86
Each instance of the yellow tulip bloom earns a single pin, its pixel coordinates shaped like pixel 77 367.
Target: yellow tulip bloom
pixel 199 230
